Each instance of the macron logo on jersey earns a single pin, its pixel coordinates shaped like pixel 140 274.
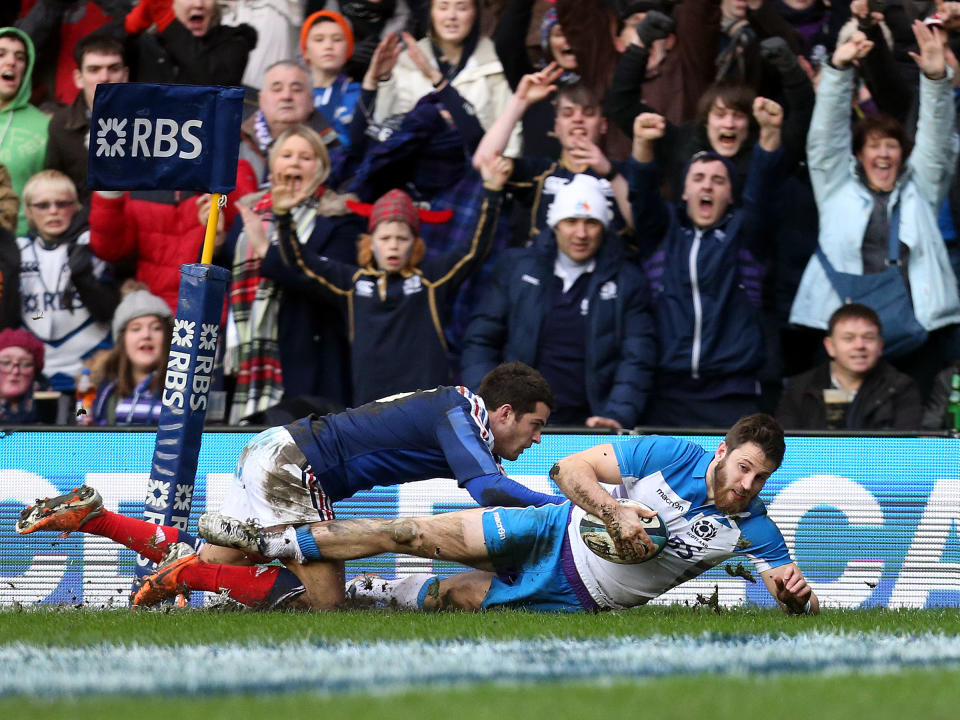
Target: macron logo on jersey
pixel 478 413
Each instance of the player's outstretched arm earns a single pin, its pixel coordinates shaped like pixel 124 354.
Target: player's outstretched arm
pixel 494 490
pixel 579 476
pixel 791 591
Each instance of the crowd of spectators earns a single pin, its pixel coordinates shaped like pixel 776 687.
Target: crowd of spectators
pixel 680 212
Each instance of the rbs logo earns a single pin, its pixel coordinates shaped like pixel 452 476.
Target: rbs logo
pixel 161 138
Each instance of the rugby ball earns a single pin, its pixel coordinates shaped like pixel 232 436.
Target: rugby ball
pixel 594 534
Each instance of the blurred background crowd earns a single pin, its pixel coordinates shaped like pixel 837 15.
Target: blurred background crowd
pixel 679 212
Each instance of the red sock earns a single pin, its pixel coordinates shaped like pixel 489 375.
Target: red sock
pixel 144 538
pixel 252 585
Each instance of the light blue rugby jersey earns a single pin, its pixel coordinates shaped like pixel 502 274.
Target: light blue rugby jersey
pixel 669 475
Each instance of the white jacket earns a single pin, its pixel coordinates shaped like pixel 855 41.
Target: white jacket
pixel 481 83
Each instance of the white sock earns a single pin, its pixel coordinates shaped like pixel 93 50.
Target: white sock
pixel 407 592
pixel 283 545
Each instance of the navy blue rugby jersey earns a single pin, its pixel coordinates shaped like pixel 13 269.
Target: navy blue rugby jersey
pixel 439 433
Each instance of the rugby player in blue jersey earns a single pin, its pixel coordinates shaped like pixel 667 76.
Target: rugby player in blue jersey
pixel 291 476
pixel 535 558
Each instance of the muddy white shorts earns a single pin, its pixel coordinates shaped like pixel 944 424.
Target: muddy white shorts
pixel 274 484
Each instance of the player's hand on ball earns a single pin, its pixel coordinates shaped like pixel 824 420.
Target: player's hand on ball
pixel 627 530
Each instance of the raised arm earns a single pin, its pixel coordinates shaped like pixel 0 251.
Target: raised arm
pixel 763 178
pixel 650 212
pixel 934 156
pixel 624 100
pixel 579 476
pixel 451 269
pixel 532 88
pixel 769 117
pixel 113 234
pixel 888 87
pixel 798 95
pixel 829 139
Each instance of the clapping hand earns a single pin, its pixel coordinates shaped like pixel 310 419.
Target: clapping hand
pixel 430 72
pixel 284 197
pixel 383 61
pixel 253 227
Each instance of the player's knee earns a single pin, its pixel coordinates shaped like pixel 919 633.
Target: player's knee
pixel 403 531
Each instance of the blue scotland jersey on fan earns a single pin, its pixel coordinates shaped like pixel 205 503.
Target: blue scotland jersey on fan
pixel 669 475
pixel 439 433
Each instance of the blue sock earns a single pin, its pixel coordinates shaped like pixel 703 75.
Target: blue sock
pixel 307 545
pixel 285 588
pixel 424 589
pixel 192 540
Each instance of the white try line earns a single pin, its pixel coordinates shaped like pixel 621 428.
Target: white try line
pixel 398 666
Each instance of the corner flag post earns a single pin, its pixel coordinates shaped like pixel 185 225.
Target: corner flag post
pixel 210 237
pixel 174 137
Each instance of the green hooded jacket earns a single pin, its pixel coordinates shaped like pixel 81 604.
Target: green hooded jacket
pixel 23 130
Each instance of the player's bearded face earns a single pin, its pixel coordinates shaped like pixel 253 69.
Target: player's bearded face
pixel 739 477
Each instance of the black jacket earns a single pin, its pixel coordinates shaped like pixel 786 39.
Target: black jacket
pixel 67 149
pixel 888 399
pixel 176 56
pixel 9 280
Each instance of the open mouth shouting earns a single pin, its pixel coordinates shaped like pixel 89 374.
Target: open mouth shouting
pixel 197 22
pixel 728 142
pixel 9 80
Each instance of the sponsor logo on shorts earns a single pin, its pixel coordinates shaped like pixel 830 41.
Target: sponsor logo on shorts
pixel 501 532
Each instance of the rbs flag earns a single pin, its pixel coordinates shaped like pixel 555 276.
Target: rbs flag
pixel 146 136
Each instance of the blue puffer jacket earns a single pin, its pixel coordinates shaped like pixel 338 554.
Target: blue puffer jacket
pixel 705 280
pixel 620 344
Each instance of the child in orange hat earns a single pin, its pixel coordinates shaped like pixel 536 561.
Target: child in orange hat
pixel 326 43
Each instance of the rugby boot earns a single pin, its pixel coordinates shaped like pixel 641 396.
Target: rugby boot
pixel 164 582
pixel 226 531
pixel 64 513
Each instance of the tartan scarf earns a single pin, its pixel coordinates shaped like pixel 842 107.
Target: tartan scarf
pixel 253 354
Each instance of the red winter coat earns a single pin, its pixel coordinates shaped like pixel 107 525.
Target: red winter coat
pixel 161 228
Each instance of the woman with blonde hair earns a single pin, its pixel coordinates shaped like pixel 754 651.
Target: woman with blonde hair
pixel 280 341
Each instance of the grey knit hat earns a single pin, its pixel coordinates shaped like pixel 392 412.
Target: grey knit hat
pixel 137 304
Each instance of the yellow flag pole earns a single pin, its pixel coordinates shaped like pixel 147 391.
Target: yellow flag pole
pixel 210 239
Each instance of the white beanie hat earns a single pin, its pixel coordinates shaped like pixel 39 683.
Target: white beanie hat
pixel 582 197
pixel 137 304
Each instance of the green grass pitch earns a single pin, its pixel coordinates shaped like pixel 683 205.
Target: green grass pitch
pixel 926 693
